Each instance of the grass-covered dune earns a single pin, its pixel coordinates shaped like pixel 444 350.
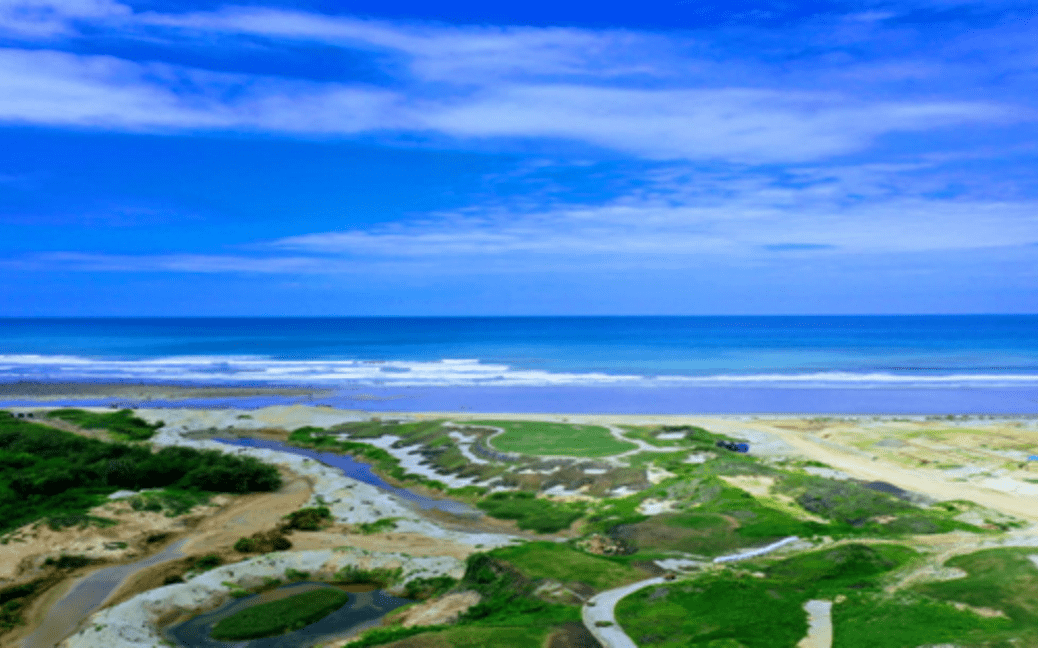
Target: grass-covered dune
pixel 48 473
pixel 121 425
pixel 517 609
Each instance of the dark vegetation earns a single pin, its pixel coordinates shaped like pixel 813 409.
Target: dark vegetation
pixel 422 589
pixel 122 425
pixel 173 501
pixel 283 615
pixel 263 542
pixel 47 473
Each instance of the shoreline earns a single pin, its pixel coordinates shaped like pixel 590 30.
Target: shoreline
pixel 796 402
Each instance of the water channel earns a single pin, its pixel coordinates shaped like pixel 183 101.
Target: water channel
pixel 365 608
pixel 361 472
pixel 88 595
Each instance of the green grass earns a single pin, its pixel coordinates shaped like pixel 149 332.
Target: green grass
pixel 122 425
pixel 313 518
pixel 561 562
pixel 733 606
pixel 543 438
pixel 1004 579
pixel 530 512
pixel 871 621
pixel 718 607
pixel 829 572
pixel 277 617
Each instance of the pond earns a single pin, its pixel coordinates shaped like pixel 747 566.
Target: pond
pixel 364 609
pixel 361 472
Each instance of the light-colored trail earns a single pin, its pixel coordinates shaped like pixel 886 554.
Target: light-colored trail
pixel 819 625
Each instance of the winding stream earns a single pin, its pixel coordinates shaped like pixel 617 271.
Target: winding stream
pixel 88 595
pixel 361 472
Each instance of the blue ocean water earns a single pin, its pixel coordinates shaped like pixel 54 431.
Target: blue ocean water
pixel 707 362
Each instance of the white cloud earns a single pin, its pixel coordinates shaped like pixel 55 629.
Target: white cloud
pixel 48 18
pixel 58 88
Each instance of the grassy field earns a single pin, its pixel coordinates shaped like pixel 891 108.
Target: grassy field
pixel 559 561
pixel 276 617
pixel 755 612
pixel 871 621
pixel 714 608
pixel 565 439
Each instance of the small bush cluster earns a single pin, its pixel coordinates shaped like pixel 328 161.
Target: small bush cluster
pixel 309 519
pixel 383 577
pixel 378 526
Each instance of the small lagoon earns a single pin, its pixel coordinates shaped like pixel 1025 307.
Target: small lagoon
pixel 364 609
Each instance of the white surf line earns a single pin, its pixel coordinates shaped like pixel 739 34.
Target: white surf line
pixel 601 608
pixel 820 625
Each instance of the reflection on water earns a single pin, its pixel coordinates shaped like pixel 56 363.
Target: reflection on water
pixel 365 608
pixel 87 595
pixel 361 472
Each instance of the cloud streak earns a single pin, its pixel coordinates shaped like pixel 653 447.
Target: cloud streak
pixel 652 96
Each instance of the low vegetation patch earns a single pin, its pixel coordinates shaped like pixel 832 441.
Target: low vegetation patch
pixel 309 519
pixel 531 512
pixel 122 425
pixel 48 473
pixel 283 615
pixel 381 576
pixel 378 526
pixel 543 438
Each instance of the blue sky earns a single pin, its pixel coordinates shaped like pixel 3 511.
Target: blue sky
pixel 396 158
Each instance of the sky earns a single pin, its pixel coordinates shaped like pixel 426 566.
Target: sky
pixel 324 158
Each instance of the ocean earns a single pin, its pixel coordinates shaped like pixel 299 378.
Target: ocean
pixel 977 364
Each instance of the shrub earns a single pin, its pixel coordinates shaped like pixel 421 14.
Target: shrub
pixel 207 562
pixel 245 545
pixel 309 519
pixel 426 588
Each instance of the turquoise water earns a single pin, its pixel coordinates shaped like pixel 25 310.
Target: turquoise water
pixel 722 364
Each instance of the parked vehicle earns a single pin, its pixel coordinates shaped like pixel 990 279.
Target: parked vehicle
pixel 734 446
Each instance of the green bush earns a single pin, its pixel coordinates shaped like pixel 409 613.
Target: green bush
pixel 427 588
pixel 309 519
pixel 283 615
pixel 207 562
pixel 245 545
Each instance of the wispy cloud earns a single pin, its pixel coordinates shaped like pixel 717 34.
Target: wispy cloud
pixel 650 95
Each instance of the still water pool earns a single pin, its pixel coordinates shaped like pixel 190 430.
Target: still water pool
pixel 364 609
